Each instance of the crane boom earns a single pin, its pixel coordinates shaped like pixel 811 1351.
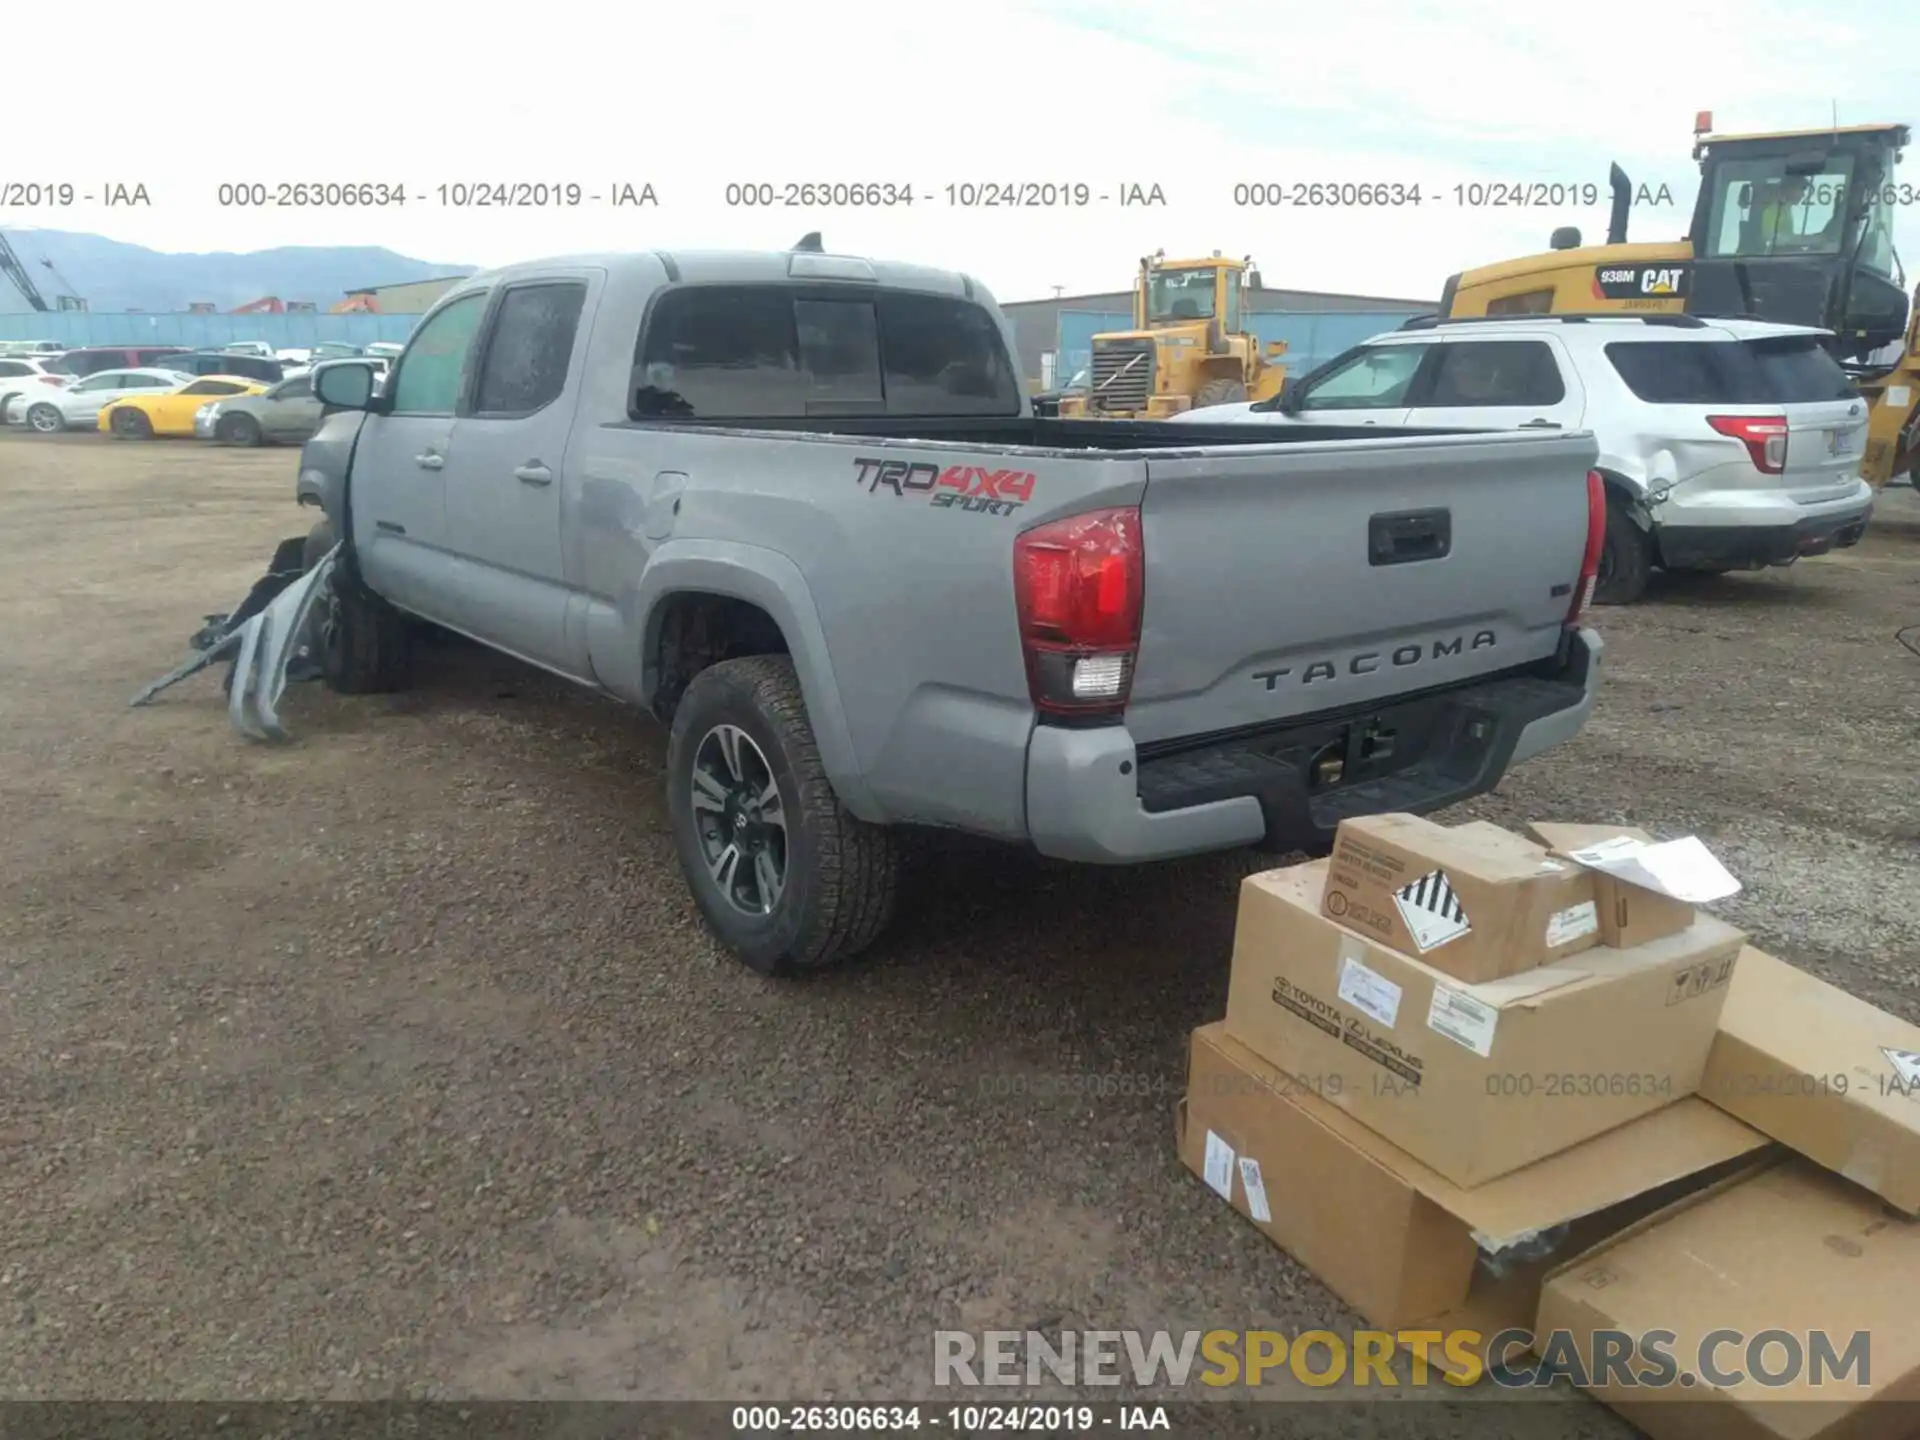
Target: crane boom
pixel 16 272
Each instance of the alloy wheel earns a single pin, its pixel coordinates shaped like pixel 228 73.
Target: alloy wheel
pixel 741 820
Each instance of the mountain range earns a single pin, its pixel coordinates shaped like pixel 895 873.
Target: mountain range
pixel 114 276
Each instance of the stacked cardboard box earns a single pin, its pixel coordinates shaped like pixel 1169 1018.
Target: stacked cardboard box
pixel 1462 1070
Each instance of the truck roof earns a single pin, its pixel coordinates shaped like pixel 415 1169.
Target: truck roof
pixel 736 267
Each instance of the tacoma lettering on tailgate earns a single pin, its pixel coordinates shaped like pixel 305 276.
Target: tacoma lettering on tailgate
pixel 1368 661
pixel 975 488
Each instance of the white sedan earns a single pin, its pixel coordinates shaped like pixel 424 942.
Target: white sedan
pixel 79 405
pixel 26 375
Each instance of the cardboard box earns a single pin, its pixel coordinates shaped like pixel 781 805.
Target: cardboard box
pixel 1791 1249
pixel 1629 914
pixel 1825 1072
pixel 1475 901
pixel 1396 1240
pixel 1475 1080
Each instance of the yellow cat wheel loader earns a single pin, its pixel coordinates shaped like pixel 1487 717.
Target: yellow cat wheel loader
pixel 1189 345
pixel 1794 226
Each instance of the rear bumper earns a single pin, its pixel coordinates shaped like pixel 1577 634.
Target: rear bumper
pixel 1092 798
pixel 1745 547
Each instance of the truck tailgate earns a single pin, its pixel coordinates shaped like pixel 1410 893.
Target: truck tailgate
pixel 1310 577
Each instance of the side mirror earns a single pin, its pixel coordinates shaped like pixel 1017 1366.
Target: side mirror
pixel 1567 237
pixel 1745 197
pixel 345 386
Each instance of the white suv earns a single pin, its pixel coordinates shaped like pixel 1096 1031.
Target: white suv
pixel 1725 444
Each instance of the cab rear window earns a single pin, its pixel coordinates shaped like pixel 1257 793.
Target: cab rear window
pixel 1777 370
pixel 739 352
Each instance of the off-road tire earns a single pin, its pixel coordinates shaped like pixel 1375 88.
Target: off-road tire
pixel 128 424
pixel 1626 560
pixel 841 873
pixel 363 644
pixel 237 430
pixel 319 541
pixel 44 419
pixel 1219 391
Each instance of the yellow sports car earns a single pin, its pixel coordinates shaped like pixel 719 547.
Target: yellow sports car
pixel 170 412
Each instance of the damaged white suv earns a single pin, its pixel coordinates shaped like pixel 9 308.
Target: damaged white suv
pixel 1725 444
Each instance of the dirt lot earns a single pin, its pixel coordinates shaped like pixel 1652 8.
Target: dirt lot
pixel 396 1061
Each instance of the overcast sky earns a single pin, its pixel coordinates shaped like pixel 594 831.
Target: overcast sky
pixel 1192 98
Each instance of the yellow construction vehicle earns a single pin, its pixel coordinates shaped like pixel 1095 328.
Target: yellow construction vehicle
pixel 1794 226
pixel 1188 347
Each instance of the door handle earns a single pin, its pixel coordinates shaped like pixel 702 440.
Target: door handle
pixel 533 473
pixel 1541 425
pixel 430 461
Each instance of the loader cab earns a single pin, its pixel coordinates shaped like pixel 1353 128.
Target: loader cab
pixel 1798 228
pixel 1190 292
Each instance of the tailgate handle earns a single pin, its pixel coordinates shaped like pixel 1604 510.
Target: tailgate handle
pixel 1404 536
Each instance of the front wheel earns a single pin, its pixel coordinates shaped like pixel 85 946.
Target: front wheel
pixel 787 879
pixel 1626 561
pixel 237 430
pixel 130 425
pixel 364 643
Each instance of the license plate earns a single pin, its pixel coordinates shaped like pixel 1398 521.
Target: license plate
pixel 1839 442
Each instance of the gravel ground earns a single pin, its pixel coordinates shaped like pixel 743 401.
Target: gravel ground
pixel 397 1062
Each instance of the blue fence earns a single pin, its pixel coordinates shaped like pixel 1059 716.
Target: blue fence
pixel 76 328
pixel 1312 336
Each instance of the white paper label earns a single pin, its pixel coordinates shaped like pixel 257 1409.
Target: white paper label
pixel 1368 991
pixel 1905 1062
pixel 1432 912
pixel 1683 869
pixel 1256 1190
pixel 1463 1019
pixel 1899 395
pixel 1570 924
pixel 1219 1166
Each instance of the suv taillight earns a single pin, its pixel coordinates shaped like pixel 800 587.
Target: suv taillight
pixel 1765 437
pixel 1596 542
pixel 1078 585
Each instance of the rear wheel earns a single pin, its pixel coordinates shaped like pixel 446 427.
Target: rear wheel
pixel 237 430
pixel 788 880
pixel 43 419
pixel 1626 560
pixel 1222 390
pixel 130 424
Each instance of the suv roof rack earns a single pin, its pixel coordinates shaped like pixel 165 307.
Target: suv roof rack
pixel 1676 322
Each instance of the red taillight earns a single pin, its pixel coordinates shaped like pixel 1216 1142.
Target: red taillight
pixel 1596 542
pixel 55 380
pixel 1078 584
pixel 1765 437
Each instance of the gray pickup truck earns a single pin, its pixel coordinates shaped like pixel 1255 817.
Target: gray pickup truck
pixel 797 505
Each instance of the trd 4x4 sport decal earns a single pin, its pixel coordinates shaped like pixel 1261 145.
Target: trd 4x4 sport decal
pixel 957 487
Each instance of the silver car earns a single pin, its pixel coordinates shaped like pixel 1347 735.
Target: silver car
pixel 287 413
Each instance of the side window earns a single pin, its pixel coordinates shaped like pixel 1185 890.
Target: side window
pixel 1476 373
pixel 150 382
pixel 11 368
pixel 436 359
pixel 103 380
pixel 298 388
pixel 213 387
pixel 944 357
pixel 1233 304
pixel 1533 302
pixel 1376 378
pixel 529 349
